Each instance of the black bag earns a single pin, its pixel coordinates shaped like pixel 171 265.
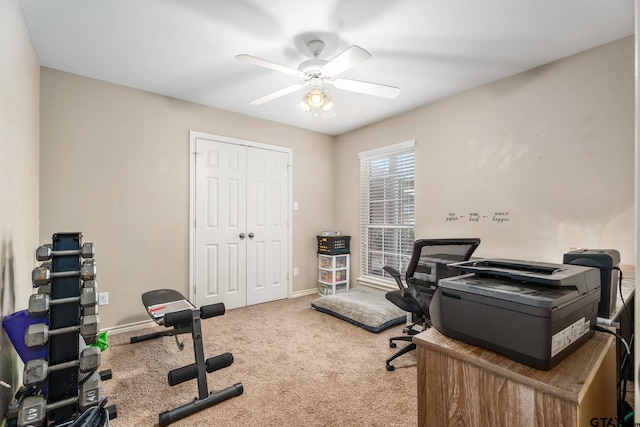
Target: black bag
pixel 96 416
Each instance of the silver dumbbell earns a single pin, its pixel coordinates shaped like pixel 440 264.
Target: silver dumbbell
pixel 38 334
pixel 42 275
pixel 39 303
pixel 37 370
pixel 32 411
pixel 45 253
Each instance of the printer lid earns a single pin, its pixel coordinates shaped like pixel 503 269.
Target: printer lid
pixel 547 274
pixel 515 292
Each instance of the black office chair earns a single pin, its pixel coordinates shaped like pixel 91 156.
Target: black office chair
pixel 427 266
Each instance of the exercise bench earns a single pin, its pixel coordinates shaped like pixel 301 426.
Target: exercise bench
pixel 169 308
pixel 158 303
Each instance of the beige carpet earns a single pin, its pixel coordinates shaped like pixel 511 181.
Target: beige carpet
pixel 299 367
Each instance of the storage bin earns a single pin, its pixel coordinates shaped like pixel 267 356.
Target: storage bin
pixel 333 274
pixel 341 261
pixel 325 276
pixel 325 262
pixel 324 289
pixel 333 245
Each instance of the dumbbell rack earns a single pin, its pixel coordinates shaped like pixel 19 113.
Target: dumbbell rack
pixel 68 391
pixel 64 384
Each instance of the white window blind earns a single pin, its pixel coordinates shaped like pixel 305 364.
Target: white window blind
pixel 387 208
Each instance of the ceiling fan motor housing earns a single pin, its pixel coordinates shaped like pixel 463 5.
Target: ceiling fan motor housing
pixel 316 47
pixel 312 68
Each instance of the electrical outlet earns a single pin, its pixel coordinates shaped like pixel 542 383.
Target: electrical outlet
pixel 296 273
pixel 103 298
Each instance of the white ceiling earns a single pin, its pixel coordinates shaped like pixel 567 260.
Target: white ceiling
pixel 430 49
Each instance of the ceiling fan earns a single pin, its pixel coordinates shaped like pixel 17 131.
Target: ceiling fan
pixel 316 72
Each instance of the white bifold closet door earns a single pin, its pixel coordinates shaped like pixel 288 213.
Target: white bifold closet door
pixel 241 224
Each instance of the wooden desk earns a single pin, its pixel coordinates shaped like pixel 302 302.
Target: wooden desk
pixel 464 385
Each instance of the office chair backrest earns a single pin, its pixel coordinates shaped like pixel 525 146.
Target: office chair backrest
pixel 430 257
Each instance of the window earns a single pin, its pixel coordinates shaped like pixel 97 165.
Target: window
pixel 387 209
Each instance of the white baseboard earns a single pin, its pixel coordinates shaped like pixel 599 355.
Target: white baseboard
pixel 115 330
pixel 304 293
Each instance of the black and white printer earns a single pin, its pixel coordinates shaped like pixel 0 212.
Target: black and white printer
pixel 532 312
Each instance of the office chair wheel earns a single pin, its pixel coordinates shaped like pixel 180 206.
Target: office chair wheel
pixel 392 344
pixel 390 367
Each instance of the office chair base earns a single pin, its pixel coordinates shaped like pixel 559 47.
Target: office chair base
pixel 404 350
pixel 392 344
pixel 408 348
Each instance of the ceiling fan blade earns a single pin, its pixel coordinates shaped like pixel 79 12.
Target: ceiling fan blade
pixel 268 64
pixel 278 94
pixel 375 89
pixel 350 57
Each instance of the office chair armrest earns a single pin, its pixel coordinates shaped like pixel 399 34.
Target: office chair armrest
pixel 397 277
pixel 413 290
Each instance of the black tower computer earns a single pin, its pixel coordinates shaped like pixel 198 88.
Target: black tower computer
pixel 607 261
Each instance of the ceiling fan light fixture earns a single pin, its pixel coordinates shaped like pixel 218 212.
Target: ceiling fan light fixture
pixel 305 106
pixel 327 106
pixel 316 99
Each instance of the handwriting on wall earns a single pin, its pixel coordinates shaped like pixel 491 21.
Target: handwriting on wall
pixel 497 217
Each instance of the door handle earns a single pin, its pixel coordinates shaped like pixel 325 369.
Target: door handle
pixel 251 235
pixel 242 235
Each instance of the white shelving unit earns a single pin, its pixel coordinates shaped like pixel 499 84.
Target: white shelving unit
pixel 333 274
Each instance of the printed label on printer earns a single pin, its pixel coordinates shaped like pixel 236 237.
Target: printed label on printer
pixel 569 335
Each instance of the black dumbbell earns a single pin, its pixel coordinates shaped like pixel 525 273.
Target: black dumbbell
pixel 41 275
pixel 37 370
pixel 32 411
pixel 45 253
pixel 37 334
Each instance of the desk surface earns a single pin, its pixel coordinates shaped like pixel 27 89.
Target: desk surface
pixel 566 380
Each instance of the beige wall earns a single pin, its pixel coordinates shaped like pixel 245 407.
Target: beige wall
pixel 553 147
pixel 19 117
pixel 115 166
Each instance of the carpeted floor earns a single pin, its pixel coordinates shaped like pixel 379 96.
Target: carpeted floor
pixel 297 366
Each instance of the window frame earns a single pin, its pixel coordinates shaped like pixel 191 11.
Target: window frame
pixel 402 210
